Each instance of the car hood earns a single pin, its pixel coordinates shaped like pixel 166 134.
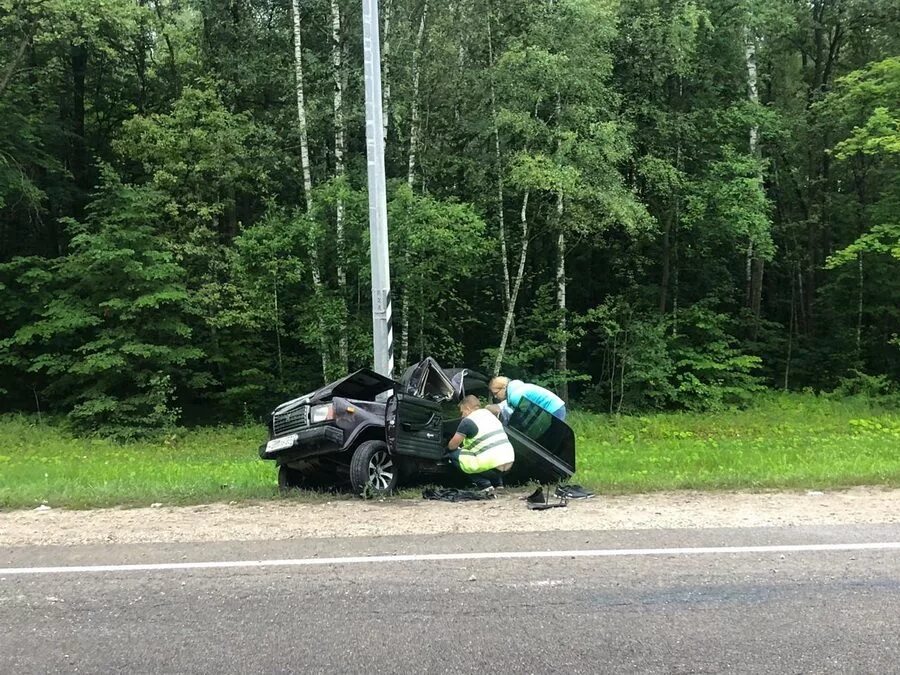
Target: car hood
pixel 363 385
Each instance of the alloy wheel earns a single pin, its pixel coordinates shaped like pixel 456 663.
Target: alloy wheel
pixel 381 470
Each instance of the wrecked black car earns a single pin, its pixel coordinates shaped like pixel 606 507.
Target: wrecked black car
pixel 371 433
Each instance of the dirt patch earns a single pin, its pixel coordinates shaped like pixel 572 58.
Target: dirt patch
pixel 508 513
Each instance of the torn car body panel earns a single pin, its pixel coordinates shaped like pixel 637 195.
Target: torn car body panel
pixel 414 424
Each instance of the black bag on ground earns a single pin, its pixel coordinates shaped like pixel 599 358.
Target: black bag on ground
pixel 455 495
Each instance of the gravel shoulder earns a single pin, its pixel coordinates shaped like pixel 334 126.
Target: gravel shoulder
pixel 287 519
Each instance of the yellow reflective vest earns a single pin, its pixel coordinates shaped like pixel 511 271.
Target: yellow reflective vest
pixel 489 448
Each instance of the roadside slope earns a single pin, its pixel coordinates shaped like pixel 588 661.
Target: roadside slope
pixel 286 519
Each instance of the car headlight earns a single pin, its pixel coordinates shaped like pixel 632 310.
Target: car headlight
pixel 321 413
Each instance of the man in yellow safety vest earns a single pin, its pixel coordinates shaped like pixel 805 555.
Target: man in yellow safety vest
pixel 480 446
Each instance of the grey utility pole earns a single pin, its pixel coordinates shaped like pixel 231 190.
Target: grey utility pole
pixel 382 331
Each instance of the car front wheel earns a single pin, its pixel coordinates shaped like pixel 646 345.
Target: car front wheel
pixel 373 469
pixel 289 479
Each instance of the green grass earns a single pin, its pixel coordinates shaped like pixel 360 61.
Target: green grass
pixel 44 464
pixel 785 441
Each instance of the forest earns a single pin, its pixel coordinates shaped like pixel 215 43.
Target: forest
pixel 642 204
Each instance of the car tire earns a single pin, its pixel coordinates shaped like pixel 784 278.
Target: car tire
pixel 289 479
pixel 373 470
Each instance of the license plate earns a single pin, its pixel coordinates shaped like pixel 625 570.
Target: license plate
pixel 281 443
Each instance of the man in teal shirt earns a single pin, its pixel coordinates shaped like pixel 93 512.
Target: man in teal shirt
pixel 514 391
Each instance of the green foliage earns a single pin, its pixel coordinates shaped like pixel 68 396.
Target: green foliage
pixel 637 369
pixel 737 201
pixel 868 100
pixel 435 246
pixel 113 337
pixel 711 372
pixel 689 361
pixel 867 387
pixel 629 124
pixel 202 156
pixel 533 354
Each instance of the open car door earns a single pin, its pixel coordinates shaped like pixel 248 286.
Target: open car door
pixel 414 427
pixel 414 417
pixel 544 445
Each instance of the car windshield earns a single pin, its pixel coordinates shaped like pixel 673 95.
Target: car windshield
pixel 427 380
pixel 435 385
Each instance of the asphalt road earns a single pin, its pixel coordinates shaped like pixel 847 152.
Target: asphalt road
pixel 673 611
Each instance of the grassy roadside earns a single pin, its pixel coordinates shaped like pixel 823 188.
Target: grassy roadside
pixel 783 441
pixel 44 464
pixel 789 441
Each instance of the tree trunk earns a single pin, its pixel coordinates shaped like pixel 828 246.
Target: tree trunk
pixel 755 263
pixel 500 217
pixel 338 68
pixel 859 309
pixel 562 356
pixel 13 65
pixel 676 279
pixel 622 363
pixel 79 160
pixel 613 364
pixel 756 284
pixel 386 67
pixel 140 62
pixel 277 329
pixel 414 112
pixel 561 349
pixel 675 261
pixel 752 88
pixel 173 64
pixel 666 263
pixel 792 323
pixel 404 325
pixel 301 111
pixel 459 11
pixel 520 273
pixel 748 273
pixel 411 176
pixel 307 179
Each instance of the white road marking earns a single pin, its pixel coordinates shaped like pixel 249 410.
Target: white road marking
pixel 440 557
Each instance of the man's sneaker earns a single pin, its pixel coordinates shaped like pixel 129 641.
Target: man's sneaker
pixel 489 490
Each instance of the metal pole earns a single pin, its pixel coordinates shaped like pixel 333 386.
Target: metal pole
pixel 382 332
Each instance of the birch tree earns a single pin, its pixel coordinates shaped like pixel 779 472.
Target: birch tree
pixel 517 285
pixel 411 168
pixel 754 261
pixel 386 35
pixel 501 220
pixel 339 147
pixel 414 128
pixel 307 179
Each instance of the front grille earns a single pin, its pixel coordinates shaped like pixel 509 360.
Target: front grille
pixel 290 421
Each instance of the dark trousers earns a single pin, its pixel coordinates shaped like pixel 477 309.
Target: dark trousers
pixel 485 479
